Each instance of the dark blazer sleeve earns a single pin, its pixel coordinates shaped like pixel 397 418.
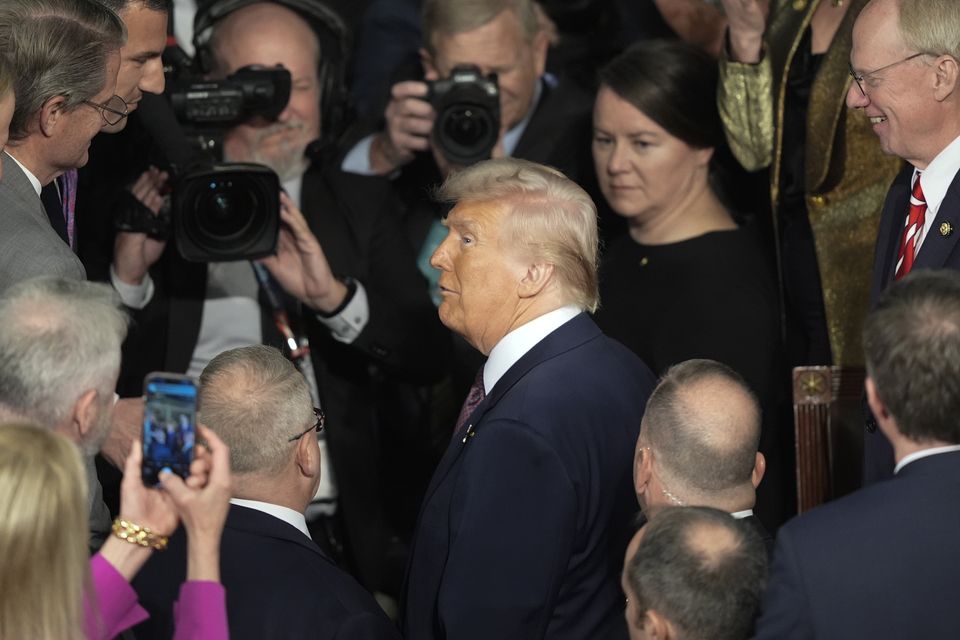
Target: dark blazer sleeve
pixel 367 626
pixel 403 332
pixel 785 611
pixel 519 514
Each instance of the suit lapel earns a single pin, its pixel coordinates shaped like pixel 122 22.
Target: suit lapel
pixel 941 239
pixel 568 336
pixel 18 186
pixel 894 214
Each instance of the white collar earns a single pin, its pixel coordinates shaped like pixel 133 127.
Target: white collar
pixel 938 176
pixel 917 455
pixel 740 515
pixel 518 342
pixel 32 178
pixel 288 515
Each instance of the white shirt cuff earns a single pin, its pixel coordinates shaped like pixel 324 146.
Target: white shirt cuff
pixel 357 159
pixel 347 325
pixel 135 296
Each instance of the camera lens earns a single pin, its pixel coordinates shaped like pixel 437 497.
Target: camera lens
pixel 224 211
pixel 465 126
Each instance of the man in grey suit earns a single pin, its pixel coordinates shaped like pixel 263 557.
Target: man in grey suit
pixel 65 57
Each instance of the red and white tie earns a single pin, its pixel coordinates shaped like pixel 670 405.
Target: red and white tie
pixel 911 232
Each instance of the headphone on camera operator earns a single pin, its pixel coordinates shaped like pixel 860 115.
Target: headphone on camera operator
pixel 210 196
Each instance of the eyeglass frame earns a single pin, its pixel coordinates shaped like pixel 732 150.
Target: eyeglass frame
pixel 103 108
pixel 317 426
pixel 859 78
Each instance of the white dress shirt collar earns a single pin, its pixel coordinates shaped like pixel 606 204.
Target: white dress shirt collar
pixel 917 455
pixel 518 342
pixel 34 180
pixel 740 515
pixel 291 517
pixel 936 180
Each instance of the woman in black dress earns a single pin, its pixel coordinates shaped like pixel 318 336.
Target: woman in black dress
pixel 686 281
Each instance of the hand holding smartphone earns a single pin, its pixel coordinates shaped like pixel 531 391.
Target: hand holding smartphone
pixel 169 425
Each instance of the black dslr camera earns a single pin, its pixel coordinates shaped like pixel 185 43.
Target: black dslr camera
pixel 219 211
pixel 468 114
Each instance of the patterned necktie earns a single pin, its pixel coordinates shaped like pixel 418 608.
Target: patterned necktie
pixel 911 232
pixel 68 196
pixel 474 397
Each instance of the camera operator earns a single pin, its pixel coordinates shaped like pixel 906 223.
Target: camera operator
pixel 540 119
pixel 340 268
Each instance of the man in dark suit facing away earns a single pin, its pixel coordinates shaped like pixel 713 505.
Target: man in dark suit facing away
pixel 698 444
pixel 905 61
pixel 527 516
pixel 882 562
pixel 279 583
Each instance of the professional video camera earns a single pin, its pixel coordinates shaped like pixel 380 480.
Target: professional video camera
pixel 468 114
pixel 219 211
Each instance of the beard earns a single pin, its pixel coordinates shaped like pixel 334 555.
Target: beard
pixel 286 156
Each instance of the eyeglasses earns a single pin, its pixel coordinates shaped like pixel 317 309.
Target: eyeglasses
pixel 317 426
pixel 859 77
pixel 112 111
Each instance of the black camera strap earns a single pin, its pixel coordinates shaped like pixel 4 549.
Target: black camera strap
pixel 297 345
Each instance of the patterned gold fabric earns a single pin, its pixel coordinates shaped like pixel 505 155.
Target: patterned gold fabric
pixel 847 175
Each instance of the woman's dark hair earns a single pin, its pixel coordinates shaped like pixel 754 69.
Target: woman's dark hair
pixel 675 85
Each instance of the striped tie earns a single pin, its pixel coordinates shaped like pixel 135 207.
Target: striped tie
pixel 911 232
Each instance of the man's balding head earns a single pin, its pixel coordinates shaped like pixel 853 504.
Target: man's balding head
pixel 702 427
pixel 694 572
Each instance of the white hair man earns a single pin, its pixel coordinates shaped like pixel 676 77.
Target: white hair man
pixel 59 360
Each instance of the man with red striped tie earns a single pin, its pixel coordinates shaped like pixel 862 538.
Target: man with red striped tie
pixel 905 65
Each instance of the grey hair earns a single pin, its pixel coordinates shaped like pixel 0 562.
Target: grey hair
pixel 118 6
pixel 255 400
pixel 56 48
pixel 703 448
pixel 702 570
pixel 931 26
pixel 550 218
pixel 911 344
pixel 452 17
pixel 60 338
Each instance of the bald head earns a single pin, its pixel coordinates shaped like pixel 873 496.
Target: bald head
pixel 258 32
pixel 698 571
pixel 255 400
pixel 702 423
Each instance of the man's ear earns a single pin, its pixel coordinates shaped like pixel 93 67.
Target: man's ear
pixel 308 456
pixel 84 415
pixel 877 405
pixel 656 626
pixel 947 71
pixel 642 469
pixel 51 115
pixel 759 468
pixel 429 65
pixel 535 280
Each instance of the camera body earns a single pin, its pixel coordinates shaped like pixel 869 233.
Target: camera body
pixel 467 104
pixel 251 91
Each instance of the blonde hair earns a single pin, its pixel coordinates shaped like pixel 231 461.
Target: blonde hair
pixel 931 26
pixel 550 218
pixel 44 567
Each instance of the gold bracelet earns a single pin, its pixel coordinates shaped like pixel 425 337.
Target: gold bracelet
pixel 135 534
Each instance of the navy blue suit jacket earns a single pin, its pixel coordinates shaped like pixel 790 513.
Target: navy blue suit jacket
pixel 524 525
pixel 940 250
pixel 879 563
pixel 279 585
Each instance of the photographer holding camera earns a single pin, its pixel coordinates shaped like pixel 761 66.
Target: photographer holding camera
pixel 340 275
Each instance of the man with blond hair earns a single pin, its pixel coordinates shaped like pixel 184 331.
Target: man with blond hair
pixel 527 515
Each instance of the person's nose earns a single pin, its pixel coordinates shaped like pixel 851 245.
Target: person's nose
pixel 441 255
pixel 856 98
pixel 153 80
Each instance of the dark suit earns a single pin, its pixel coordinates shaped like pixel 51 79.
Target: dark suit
pixel 279 585
pixel 880 563
pixel 29 246
pixel 526 520
pixel 938 251
pixel 754 523
pixel 403 339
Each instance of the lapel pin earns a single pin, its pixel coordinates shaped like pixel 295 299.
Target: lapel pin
pixel 946 229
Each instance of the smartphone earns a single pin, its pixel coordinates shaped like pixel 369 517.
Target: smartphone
pixel 169 425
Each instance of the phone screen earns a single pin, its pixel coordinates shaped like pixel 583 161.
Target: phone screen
pixel 169 425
